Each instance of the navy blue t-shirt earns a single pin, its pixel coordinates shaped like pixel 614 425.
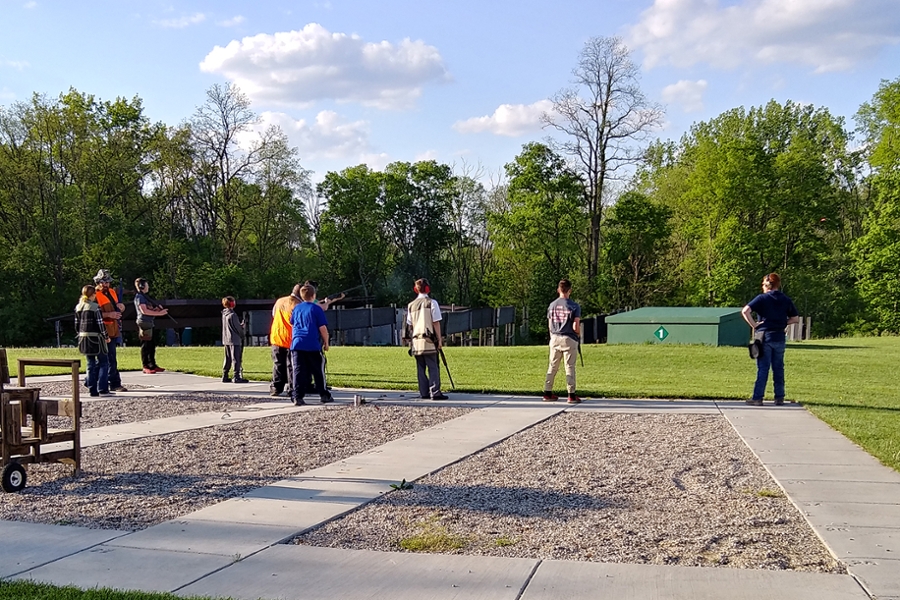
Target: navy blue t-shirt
pixel 561 315
pixel 773 309
pixel 306 320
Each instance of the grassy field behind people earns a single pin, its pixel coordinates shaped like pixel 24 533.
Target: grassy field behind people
pixel 846 382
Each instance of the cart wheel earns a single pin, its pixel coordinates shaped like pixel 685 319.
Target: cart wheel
pixel 14 477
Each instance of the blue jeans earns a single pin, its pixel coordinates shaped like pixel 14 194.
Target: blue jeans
pixel 772 356
pixel 115 380
pixel 98 373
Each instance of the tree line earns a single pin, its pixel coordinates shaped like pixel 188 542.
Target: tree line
pixel 217 205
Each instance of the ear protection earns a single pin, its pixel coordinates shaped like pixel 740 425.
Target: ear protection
pixel 427 290
pixel 232 304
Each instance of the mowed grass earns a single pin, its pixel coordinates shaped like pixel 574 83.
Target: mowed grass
pixel 27 590
pixel 847 382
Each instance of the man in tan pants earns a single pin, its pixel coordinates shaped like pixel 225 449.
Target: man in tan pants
pixel 564 320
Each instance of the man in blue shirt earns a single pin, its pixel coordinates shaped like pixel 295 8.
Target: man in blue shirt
pixel 774 311
pixel 309 339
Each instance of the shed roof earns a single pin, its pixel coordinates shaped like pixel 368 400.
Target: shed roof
pixel 675 314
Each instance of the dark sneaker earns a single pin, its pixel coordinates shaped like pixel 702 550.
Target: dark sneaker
pixel 226 379
pixel 120 388
pixel 440 396
pixel 274 392
pixel 550 397
pixel 779 401
pixel 573 399
pixel 753 402
pixel 326 398
pixel 95 394
pixel 299 402
pixel 105 393
pixel 241 380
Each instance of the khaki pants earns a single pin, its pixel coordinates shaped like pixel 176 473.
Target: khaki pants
pixel 562 347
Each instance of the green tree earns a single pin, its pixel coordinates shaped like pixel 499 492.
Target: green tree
pixel 637 238
pixel 539 236
pixel 876 253
pixel 606 119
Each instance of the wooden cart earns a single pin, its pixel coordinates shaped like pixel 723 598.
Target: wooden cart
pixel 23 423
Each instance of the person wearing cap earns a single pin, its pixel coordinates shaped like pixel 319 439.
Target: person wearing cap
pixel 423 320
pixel 111 308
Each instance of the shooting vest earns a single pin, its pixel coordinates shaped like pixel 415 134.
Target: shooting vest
pixel 108 302
pixel 422 338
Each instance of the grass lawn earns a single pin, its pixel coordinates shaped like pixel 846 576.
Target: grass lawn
pixel 845 382
pixel 26 590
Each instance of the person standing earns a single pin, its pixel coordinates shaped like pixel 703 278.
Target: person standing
pixel 774 312
pixel 564 321
pixel 147 311
pixel 111 308
pixel 280 335
pixel 92 341
pixel 232 341
pixel 423 320
pixel 308 341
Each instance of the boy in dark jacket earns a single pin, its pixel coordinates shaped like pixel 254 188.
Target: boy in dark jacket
pixel 232 341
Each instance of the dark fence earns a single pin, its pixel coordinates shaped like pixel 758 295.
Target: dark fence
pixel 368 325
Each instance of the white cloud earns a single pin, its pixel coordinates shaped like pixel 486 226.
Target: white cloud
pixel 509 119
pixel 233 21
pixel 425 156
pixel 688 94
pixel 181 22
pixel 329 136
pixel 18 65
pixel 297 68
pixel 30 5
pixel 827 35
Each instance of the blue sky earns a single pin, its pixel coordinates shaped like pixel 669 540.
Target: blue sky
pixel 461 82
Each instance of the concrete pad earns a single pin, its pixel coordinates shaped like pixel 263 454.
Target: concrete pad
pixel 816 457
pixel 867 492
pixel 769 442
pixel 872 473
pixel 323 489
pixel 206 537
pixel 29 545
pixel 843 514
pixel 575 580
pixel 863 542
pixel 128 569
pixel 880 577
pixel 638 406
pixel 311 573
pixel 290 515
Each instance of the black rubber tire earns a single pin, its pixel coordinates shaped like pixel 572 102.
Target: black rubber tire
pixel 14 477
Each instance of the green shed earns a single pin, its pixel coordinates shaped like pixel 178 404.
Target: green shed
pixel 679 325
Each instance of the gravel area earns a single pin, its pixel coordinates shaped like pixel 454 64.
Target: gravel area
pixel 128 409
pixel 653 489
pixel 64 388
pixel 135 484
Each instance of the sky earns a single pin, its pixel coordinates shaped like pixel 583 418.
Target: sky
pixel 462 82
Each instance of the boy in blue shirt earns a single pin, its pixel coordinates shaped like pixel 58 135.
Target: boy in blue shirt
pixel 308 341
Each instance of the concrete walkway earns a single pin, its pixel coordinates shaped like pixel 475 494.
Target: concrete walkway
pixel 232 548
